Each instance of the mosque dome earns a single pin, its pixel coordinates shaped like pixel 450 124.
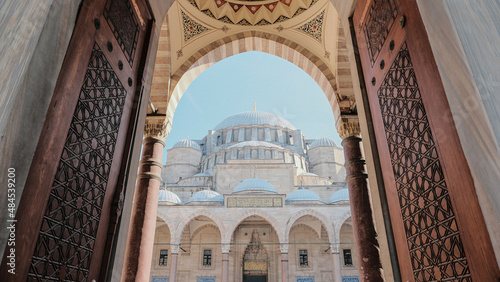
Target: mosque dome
pixel 186 143
pixel 302 195
pixel 322 142
pixel 255 185
pixel 206 196
pixel 339 196
pixel 255 144
pixel 170 197
pixel 254 118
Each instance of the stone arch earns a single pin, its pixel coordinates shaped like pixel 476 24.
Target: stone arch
pixel 302 225
pixel 338 224
pixel 242 42
pixel 199 229
pixel 275 224
pixel 309 212
pixel 168 221
pixel 176 238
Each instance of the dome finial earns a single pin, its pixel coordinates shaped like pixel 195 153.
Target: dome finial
pixel 254 106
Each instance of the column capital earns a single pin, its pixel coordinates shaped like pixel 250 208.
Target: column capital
pixel 226 247
pixel 334 248
pixel 174 248
pixel 348 126
pixel 284 248
pixel 157 127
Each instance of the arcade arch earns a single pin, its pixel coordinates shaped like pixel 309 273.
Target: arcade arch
pixel 347 250
pixel 315 216
pixel 254 251
pixel 203 216
pixel 253 213
pixel 162 248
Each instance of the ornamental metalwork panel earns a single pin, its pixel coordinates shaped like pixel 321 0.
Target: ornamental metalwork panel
pixel 69 228
pixel 124 24
pixel 433 237
pixel 378 23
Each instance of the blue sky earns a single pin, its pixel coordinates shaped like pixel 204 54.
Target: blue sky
pixel 233 85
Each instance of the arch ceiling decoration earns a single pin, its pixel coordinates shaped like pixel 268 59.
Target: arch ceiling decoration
pixel 191 28
pixel 314 27
pixel 252 12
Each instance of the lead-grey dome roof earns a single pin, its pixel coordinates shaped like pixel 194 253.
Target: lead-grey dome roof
pixel 186 143
pixel 302 195
pixel 206 196
pixel 254 118
pixel 341 195
pixel 322 142
pixel 167 196
pixel 255 185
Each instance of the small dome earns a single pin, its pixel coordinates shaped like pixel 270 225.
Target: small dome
pixel 302 195
pixel 255 144
pixel 254 118
pixel 322 142
pixel 206 196
pixel 255 185
pixel 339 196
pixel 170 197
pixel 186 143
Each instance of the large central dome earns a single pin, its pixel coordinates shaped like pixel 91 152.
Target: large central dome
pixel 254 118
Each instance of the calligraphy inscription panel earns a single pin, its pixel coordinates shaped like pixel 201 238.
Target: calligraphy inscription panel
pixel 254 202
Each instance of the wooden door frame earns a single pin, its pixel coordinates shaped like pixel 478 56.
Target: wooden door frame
pixel 90 29
pixel 473 233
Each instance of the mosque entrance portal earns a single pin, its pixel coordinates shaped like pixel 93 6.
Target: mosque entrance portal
pixel 255 261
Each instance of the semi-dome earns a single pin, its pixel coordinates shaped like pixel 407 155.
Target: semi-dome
pixel 186 143
pixel 341 195
pixel 254 118
pixel 322 142
pixel 255 185
pixel 255 144
pixel 302 195
pixel 206 196
pixel 167 196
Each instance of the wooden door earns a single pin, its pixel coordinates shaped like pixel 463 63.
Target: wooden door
pixel 439 229
pixel 65 208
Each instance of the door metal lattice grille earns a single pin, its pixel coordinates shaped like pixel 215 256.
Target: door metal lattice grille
pixel 433 238
pixel 67 236
pixel 125 26
pixel 379 21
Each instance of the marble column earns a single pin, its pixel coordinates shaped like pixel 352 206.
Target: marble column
pixel 140 241
pixel 225 262
pixel 284 267
pixel 337 269
pixel 365 236
pixel 174 249
pixel 284 262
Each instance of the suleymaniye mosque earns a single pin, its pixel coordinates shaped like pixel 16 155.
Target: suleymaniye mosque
pixel 254 200
pixel 408 193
